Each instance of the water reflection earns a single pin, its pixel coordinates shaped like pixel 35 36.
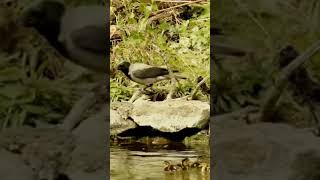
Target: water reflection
pixel 143 162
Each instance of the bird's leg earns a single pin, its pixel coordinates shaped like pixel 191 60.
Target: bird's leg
pixel 136 95
pixel 172 89
pixel 147 86
pixel 194 92
pixel 173 81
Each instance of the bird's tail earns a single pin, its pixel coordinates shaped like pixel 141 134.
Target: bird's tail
pixel 176 75
pixel 179 76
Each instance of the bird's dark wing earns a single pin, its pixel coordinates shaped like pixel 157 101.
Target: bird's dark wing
pixel 151 72
pixel 93 38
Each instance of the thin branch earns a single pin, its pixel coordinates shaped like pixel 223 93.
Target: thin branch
pixel 172 77
pixel 162 1
pixel 135 96
pixel 255 20
pixel 75 114
pixel 193 94
pixel 268 106
pixel 173 7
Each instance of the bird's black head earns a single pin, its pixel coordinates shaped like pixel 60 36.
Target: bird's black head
pixel 45 16
pixel 124 67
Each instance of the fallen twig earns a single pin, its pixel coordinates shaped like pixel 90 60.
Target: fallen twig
pixel 254 19
pixel 135 96
pixel 173 7
pixel 75 114
pixel 193 94
pixel 175 1
pixel 173 79
pixel 268 106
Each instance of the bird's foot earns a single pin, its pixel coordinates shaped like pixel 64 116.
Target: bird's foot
pixel 148 88
pixel 144 91
pixel 169 96
pixel 188 98
pixel 135 95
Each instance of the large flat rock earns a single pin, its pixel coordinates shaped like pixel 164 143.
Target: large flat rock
pixel 119 118
pixel 12 167
pixel 171 115
pixel 264 151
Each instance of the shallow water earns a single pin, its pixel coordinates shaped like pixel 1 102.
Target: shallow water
pixel 141 163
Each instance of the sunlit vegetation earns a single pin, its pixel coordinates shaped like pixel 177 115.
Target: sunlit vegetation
pixel 263 28
pixel 154 31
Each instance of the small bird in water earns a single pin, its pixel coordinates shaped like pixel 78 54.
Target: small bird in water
pixel 168 166
pixel 205 167
pixel 186 163
pixel 199 163
pixel 146 74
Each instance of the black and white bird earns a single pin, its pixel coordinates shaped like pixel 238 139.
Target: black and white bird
pixel 78 33
pixel 146 74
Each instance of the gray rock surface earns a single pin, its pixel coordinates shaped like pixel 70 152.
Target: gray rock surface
pixel 119 121
pixel 13 168
pixel 264 151
pixel 171 115
pixel 45 151
pixel 88 156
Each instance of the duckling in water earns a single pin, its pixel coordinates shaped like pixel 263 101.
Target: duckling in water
pixel 197 163
pixel 168 166
pixel 186 163
pixel 204 167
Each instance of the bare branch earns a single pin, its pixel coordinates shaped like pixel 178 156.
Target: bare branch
pixel 268 106
pixel 193 94
pixel 75 114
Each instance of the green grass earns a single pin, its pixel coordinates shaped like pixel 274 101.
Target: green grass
pixel 27 93
pixel 191 55
pixel 263 27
